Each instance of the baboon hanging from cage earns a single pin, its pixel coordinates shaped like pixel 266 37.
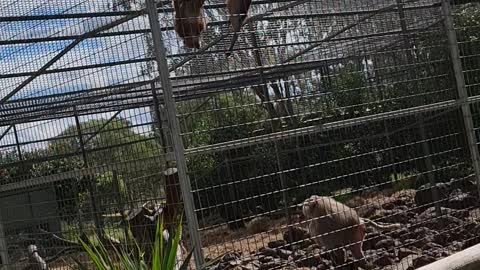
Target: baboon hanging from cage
pixel 190 21
pixel 238 10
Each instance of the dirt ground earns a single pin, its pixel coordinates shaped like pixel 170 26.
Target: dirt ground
pixel 221 240
pixel 424 238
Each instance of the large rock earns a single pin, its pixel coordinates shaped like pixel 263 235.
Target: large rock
pixel 441 238
pixel 258 225
pixel 277 244
pixel 404 252
pixel 384 260
pixel 228 261
pixel 311 260
pixel 424 194
pixel 390 216
pixel 432 245
pixel 388 206
pixel 388 243
pixel 423 260
pixel 466 185
pixel 430 213
pixel 295 235
pixel 404 264
pixel 274 264
pixel 449 218
pixel 284 254
pixel 268 251
pixel 372 239
pixel 461 200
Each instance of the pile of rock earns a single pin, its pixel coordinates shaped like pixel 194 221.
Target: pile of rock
pixel 424 238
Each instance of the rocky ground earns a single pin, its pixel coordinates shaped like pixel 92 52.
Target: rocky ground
pixel 425 237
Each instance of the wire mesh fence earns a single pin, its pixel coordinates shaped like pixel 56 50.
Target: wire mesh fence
pixel 109 121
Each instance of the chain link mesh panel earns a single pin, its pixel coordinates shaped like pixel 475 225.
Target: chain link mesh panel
pixel 372 103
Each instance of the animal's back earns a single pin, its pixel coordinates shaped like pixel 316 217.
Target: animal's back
pixel 189 21
pixel 335 223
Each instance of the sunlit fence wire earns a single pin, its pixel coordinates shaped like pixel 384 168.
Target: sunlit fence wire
pixel 371 102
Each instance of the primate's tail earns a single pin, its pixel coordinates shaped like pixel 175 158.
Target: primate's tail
pixel 382 227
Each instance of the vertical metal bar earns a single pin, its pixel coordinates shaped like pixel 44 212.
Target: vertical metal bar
pixel 158 120
pixel 20 157
pixel 283 182
pixel 77 199
pixel 263 89
pixel 90 185
pixel 461 88
pixel 17 143
pixel 419 118
pixel 283 185
pixel 372 84
pixel 429 165
pixel 404 27
pixel 5 132
pixel 232 194
pixel 80 137
pixel 105 124
pixel 174 124
pixel 3 246
pixel 120 201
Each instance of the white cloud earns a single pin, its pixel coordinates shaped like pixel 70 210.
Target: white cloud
pixel 30 57
pixel 49 129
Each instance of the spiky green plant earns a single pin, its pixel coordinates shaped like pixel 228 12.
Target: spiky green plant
pixel 164 254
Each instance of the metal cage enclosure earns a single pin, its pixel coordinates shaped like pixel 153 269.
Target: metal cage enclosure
pixel 107 118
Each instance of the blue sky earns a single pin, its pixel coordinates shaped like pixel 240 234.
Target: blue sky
pixel 30 57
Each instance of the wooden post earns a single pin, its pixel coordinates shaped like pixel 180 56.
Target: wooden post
pixel 172 192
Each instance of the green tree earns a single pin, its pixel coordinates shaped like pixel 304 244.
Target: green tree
pixel 137 156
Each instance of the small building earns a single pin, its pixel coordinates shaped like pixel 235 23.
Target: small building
pixel 23 211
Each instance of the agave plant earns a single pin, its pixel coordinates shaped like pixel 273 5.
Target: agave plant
pixel 164 254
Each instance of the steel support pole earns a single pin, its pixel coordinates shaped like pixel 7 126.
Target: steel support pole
pixel 159 125
pixel 174 125
pixel 419 117
pixel 274 125
pixel 3 246
pixel 17 143
pixel 462 89
pixel 91 185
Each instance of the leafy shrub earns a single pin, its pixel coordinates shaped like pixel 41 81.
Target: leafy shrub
pixel 164 254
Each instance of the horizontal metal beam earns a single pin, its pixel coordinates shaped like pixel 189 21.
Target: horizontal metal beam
pixel 356 38
pixel 77 68
pixel 63 16
pixel 184 91
pixel 163 6
pixel 46 180
pixel 68 48
pixel 232 145
pixel 71 37
pixel 304 131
